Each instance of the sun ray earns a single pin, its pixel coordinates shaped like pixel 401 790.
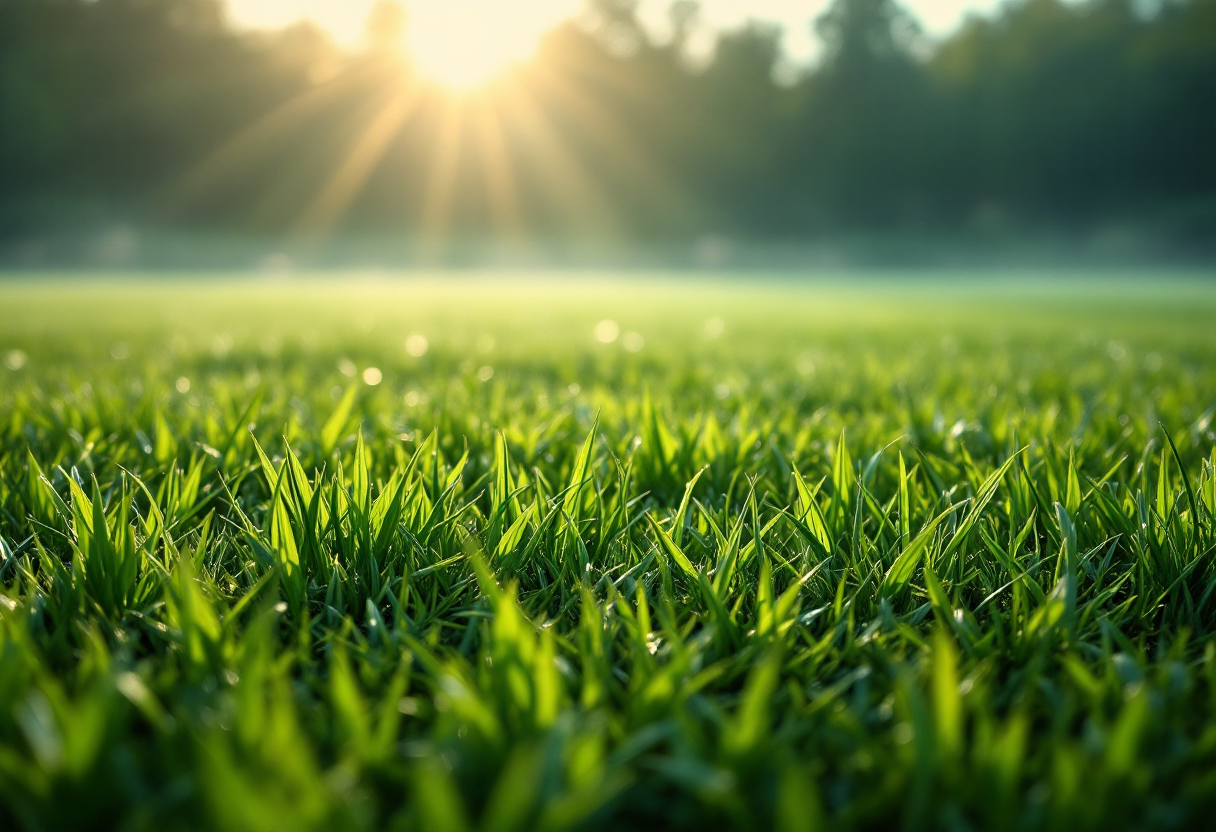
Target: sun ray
pixel 444 172
pixel 562 175
pixel 251 145
pixel 351 175
pixel 633 164
pixel 495 160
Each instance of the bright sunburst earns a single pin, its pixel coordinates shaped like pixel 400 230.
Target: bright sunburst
pixel 460 45
pixel 465 43
pixel 457 43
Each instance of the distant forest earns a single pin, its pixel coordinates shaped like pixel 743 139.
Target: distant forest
pixel 1047 115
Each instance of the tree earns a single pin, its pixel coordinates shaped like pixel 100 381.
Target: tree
pixel 862 130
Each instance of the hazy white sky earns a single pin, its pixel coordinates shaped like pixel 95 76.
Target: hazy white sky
pixel 519 22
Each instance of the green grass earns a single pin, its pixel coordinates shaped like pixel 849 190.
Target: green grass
pixel 896 553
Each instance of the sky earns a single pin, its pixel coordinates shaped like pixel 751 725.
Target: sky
pixel 496 32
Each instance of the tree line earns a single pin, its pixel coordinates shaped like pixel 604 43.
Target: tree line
pixel 1046 114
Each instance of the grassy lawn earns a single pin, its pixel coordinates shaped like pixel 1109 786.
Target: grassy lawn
pixel 483 552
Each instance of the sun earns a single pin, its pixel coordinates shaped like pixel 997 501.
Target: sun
pixel 463 44
pixel 457 43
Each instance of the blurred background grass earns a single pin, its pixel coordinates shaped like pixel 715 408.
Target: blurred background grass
pixel 868 347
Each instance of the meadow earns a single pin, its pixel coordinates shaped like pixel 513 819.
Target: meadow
pixel 481 552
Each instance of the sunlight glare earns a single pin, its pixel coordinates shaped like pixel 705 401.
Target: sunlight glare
pixel 466 43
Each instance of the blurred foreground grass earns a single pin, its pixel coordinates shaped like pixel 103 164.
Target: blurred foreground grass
pixel 506 554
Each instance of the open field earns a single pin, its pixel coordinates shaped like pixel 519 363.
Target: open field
pixel 502 554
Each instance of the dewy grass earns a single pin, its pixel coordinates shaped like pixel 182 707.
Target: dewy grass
pixel 455 556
